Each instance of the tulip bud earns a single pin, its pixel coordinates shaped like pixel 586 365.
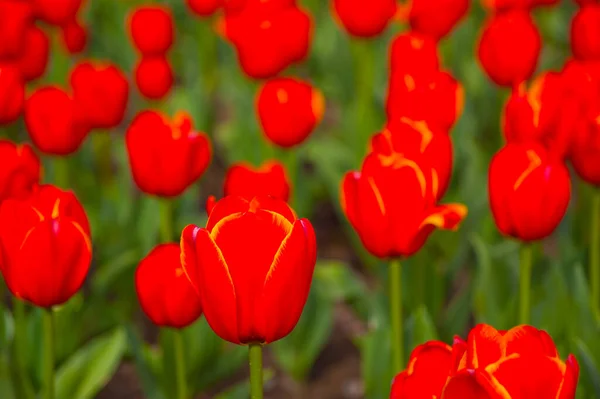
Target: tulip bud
pixel 412 53
pixel 20 170
pixel 270 179
pixel 164 291
pixel 74 37
pixel 152 29
pixel 45 246
pixel 252 267
pixel 12 94
pixel 585 33
pixel 585 151
pixel 154 77
pixel 529 191
pixel 165 156
pixel 289 109
pixel 33 59
pixel 436 18
pixel 15 20
pixel 365 19
pixel 204 8
pixel 509 48
pixel 56 12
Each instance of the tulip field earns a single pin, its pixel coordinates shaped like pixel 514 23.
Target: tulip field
pixel 326 199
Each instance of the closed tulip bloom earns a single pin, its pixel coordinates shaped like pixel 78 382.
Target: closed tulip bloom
pixel 252 267
pixel 166 156
pixel 20 170
pixel 33 59
pixel 74 37
pixel 413 53
pixel 102 91
pixel 204 8
pixel 56 12
pixel 12 94
pixel 258 7
pixel 585 33
pixel 365 19
pixel 585 152
pixel 507 5
pixel 509 48
pixel 45 247
pixel 164 291
pixel 15 19
pixel 289 110
pixel 392 203
pixel 152 29
pixel 54 121
pixel 436 18
pixel 154 77
pixel 269 179
pixel 529 191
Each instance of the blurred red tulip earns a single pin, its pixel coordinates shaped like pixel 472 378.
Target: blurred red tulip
pixel 252 267
pixel 392 222
pixel 12 94
pixel 154 77
pixel 54 121
pixel 585 33
pixel 288 110
pixel 15 20
pixel 204 8
pixel 414 54
pixel 529 191
pixel 19 172
pixel 45 246
pixel 270 179
pixel 102 92
pixel 264 7
pixel 164 291
pixel 507 5
pixel 165 156
pixel 363 19
pixel 585 152
pixel 33 59
pixel 74 37
pixel 56 12
pixel 436 18
pixel 509 48
pixel 152 29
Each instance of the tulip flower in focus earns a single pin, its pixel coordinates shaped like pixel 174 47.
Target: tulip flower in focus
pixel 154 77
pixel 436 18
pixel 20 171
pixel 365 19
pixel 164 291
pixel 45 247
pixel 12 94
pixel 166 156
pixel 74 37
pixel 55 121
pixel 152 29
pixel 289 110
pixel 585 33
pixel 529 191
pixel 15 19
pixel 252 267
pixel 204 8
pixel 509 48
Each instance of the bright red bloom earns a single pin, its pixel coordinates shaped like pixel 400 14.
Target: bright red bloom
pixel 45 247
pixel 165 156
pixel 365 19
pixel 102 92
pixel 436 18
pixel 164 291
pixel 529 191
pixel 154 77
pixel 585 152
pixel 252 267
pixel 392 222
pixel 414 54
pixel 585 33
pixel 204 8
pixel 56 12
pixel 15 20
pixel 264 7
pixel 289 109
pixel 509 48
pixel 270 179
pixel 152 29
pixel 12 94
pixel 54 121
pixel 74 37
pixel 20 170
pixel 33 59
pixel 507 5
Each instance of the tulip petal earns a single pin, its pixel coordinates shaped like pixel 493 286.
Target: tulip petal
pixel 189 256
pixel 349 196
pixel 447 217
pixel 569 384
pixel 484 346
pixel 227 206
pixel 464 385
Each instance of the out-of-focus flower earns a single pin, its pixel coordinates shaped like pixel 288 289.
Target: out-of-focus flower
pixel 12 94
pixel 436 18
pixel 74 37
pixel 414 54
pixel 270 179
pixel 585 33
pixel 204 8
pixel 19 172
pixel 363 19
pixel 152 29
pixel 33 59
pixel 252 267
pixel 154 77
pixel 56 12
pixel 15 20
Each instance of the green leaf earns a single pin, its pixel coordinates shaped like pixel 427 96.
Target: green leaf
pixel 242 390
pixel 590 375
pixel 419 329
pixel 91 367
pixel 143 367
pixel 340 282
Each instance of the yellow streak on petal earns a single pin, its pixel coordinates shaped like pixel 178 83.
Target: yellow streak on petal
pixel 409 82
pixel 282 96
pixel 378 196
pixel 423 129
pixel 55 209
pixel 280 250
pixel 88 241
pixel 215 230
pixel 435 183
pixel 40 214
pixel 178 272
pixel 416 43
pixel 411 367
pixel 534 162
pixel 534 97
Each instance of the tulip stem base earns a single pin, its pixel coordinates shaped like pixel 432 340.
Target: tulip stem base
pixel 19 353
pixel 180 371
pixel 595 253
pixel 256 371
pixel 61 172
pixel 525 284
pixel 48 354
pixel 395 278
pixel 166 220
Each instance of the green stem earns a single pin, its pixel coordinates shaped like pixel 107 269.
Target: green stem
pixel 595 252
pixel 20 347
pixel 180 371
pixel 61 172
pixel 364 75
pixel 102 145
pixel 395 277
pixel 166 220
pixel 209 57
pixel 293 172
pixel 48 354
pixel 256 371
pixel 525 284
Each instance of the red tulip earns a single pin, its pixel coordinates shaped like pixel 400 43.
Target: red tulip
pixel 414 54
pixel 289 109
pixel 20 170
pixel 585 33
pixel 529 191
pixel 507 5
pixel 15 20
pixel 270 179
pixel 165 156
pixel 164 291
pixel 33 59
pixel 56 12
pixel 252 267
pixel 12 94
pixel 45 248
pixel 152 30
pixel 204 8
pixel 154 77
pixel 365 19
pixel 509 48
pixel 392 222
pixel 102 91
pixel 74 37
pixel 264 7
pixel 436 18
pixel 585 151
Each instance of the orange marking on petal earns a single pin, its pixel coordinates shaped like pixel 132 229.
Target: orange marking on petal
pixel 416 43
pixel 26 237
pixel 55 209
pixel 409 82
pixel 534 97
pixel 178 272
pixel 266 24
pixel 423 129
pixel 282 96
pixel 215 230
pixel 20 148
pixel 40 214
pixel 402 162
pixel 435 183
pixel 411 367
pixel 280 221
pixel 317 104
pixel 378 196
pixel 88 241
pixel 534 162
pixel 597 120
